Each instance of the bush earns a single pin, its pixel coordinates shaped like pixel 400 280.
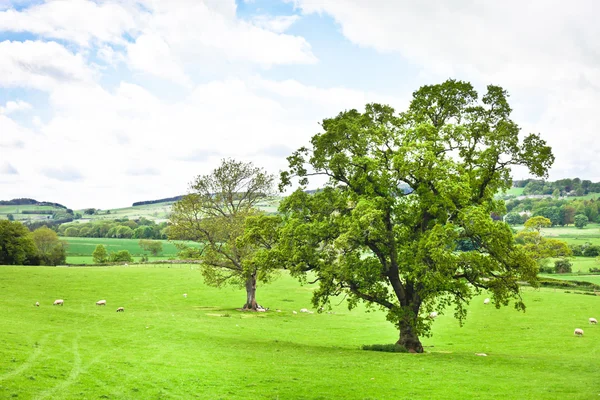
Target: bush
pixel 577 250
pixel 389 348
pixel 591 251
pixel 547 270
pixel 562 266
pixel 120 256
pixel 581 221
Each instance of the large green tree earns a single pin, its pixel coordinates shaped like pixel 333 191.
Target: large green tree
pixel 216 213
pixel 16 244
pixel 401 190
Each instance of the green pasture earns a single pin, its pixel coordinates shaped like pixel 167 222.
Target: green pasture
pixel 79 250
pixel 158 211
pixel 165 346
pixel 17 212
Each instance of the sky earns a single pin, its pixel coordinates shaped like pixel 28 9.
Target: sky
pixel 103 103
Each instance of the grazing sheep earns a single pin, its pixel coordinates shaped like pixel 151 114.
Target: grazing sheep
pixel 101 303
pixel 58 302
pixel 37 303
pixel 303 310
pixel 486 301
pixel 294 312
pixel 185 295
pixel 578 332
pixel 433 315
pixel 120 309
pixel 593 321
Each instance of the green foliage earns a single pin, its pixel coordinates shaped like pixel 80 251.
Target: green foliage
pixel 153 246
pixel 215 214
pixel 189 253
pixel 10 217
pixel 120 256
pixel 388 348
pixel 551 213
pixel 513 218
pixel 581 221
pixel 562 266
pixel 366 237
pixel 16 244
pixel 50 249
pixel 591 251
pixel 100 255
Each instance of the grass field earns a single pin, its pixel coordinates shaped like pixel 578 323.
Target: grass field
pixel 79 250
pixel 165 346
pixel 17 212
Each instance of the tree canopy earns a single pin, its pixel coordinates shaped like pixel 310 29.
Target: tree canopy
pixel 16 244
pixel 363 235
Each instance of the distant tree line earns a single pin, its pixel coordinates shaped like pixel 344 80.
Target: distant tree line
pixel 123 228
pixel 165 200
pixel 561 187
pixel 23 202
pixel 560 212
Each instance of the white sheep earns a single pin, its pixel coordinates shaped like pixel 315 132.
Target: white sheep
pixel 593 321
pixel 303 310
pixel 433 315
pixel 120 309
pixel 185 295
pixel 578 332
pixel 486 301
pixel 58 302
pixel 294 312
pixel 37 303
pixel 101 303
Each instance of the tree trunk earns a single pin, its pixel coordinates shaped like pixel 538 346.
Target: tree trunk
pixel 408 336
pixel 251 303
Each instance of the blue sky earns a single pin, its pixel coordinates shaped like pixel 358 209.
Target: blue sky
pixel 103 103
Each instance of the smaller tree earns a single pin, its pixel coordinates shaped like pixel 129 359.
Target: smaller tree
pixel 100 255
pixel 153 246
pixel 50 250
pixel 581 221
pixel 537 223
pixel 10 217
pixel 562 266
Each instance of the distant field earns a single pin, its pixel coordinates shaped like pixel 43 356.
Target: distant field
pixel 17 212
pixel 514 191
pixel 158 212
pixel 165 346
pixel 79 250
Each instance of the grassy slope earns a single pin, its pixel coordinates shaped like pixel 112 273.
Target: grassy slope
pixel 166 346
pixel 17 210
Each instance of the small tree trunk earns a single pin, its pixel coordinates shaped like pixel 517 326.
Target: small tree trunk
pixel 408 337
pixel 251 293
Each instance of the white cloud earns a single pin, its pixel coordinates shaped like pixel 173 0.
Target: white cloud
pixel 142 147
pixel 14 106
pixel 77 21
pixel 277 24
pixel 41 65
pixel 545 53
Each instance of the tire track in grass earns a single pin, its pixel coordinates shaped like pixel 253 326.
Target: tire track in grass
pixel 28 363
pixel 73 375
